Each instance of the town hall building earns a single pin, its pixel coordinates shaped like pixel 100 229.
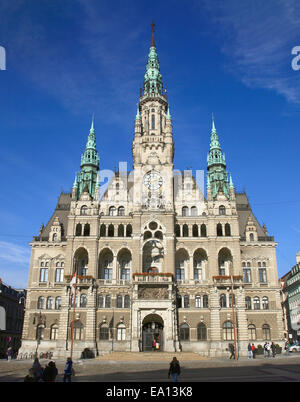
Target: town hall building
pixel 155 257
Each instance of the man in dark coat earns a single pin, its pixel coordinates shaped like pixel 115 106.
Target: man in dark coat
pixel 174 369
pixel 50 372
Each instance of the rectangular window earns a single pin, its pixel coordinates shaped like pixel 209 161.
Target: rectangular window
pixel 247 275
pixel 262 275
pixel 44 275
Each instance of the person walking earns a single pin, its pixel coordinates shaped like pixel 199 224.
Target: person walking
pixel 253 350
pixel 68 370
pixel 37 369
pixel 50 372
pixel 273 348
pixel 174 369
pixel 154 345
pixel 249 351
pixel 265 350
pixel 268 347
pixel 231 350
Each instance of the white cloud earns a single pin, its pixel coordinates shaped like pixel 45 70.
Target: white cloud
pixel 258 38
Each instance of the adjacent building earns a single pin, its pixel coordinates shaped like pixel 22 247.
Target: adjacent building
pixel 12 303
pixel 156 256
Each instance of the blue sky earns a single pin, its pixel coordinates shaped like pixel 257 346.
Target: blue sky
pixel 66 60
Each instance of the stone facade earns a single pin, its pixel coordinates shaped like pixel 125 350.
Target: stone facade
pixel 155 258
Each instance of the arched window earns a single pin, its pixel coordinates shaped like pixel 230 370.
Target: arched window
pixel 49 304
pixel 177 230
pixel 228 331
pixel 195 231
pixel 222 210
pixel 265 303
pixel 219 230
pixel 152 122
pixel 252 332
pixel 86 230
pixel 185 230
pixel 54 237
pixel 186 301
pixel 84 210
pixel 78 229
pixel 223 302
pixel 121 332
pixel 40 303
pixel 194 211
pixel 58 303
pixel 102 230
pixel 121 231
pixel 256 303
pixel 53 332
pixel 121 211
pixel 266 332
pixel 112 211
pixel 111 230
pixel 184 332
pixel 251 236
pixel 126 301
pixel 203 230
pixel 248 303
pixel 119 301
pixel 201 332
pixel 125 267
pixel 185 211
pixel 103 332
pixel 227 230
pixel 78 330
pixel 83 300
pixel 128 231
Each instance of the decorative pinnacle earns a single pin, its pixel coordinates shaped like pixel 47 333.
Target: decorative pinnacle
pixel 152 41
pixel 168 114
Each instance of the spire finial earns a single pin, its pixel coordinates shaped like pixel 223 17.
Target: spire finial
pixel 213 123
pixel 152 41
pixel 92 125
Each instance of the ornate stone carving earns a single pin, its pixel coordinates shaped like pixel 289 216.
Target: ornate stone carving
pixel 153 293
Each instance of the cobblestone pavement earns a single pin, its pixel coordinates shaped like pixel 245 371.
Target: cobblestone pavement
pixel 142 367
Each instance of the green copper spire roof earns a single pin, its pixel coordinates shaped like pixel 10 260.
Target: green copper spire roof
pixel 217 177
pixel 87 178
pixel 153 78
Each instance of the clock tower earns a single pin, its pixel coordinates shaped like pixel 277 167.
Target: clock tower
pixel 153 147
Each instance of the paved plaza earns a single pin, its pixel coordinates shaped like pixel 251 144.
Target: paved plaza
pixel 153 367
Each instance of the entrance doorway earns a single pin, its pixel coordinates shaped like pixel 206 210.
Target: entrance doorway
pixel 152 330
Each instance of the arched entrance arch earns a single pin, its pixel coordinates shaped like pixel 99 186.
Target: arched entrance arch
pixel 152 329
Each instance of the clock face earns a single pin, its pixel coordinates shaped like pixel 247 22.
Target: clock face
pixel 153 180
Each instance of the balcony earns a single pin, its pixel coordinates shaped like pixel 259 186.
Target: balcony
pixel 152 277
pixel 226 280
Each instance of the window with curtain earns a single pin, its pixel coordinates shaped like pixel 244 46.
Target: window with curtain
pixel 121 332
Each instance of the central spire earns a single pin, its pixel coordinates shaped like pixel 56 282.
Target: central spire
pixel 153 78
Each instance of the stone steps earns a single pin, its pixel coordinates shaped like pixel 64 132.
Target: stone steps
pixel 150 356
